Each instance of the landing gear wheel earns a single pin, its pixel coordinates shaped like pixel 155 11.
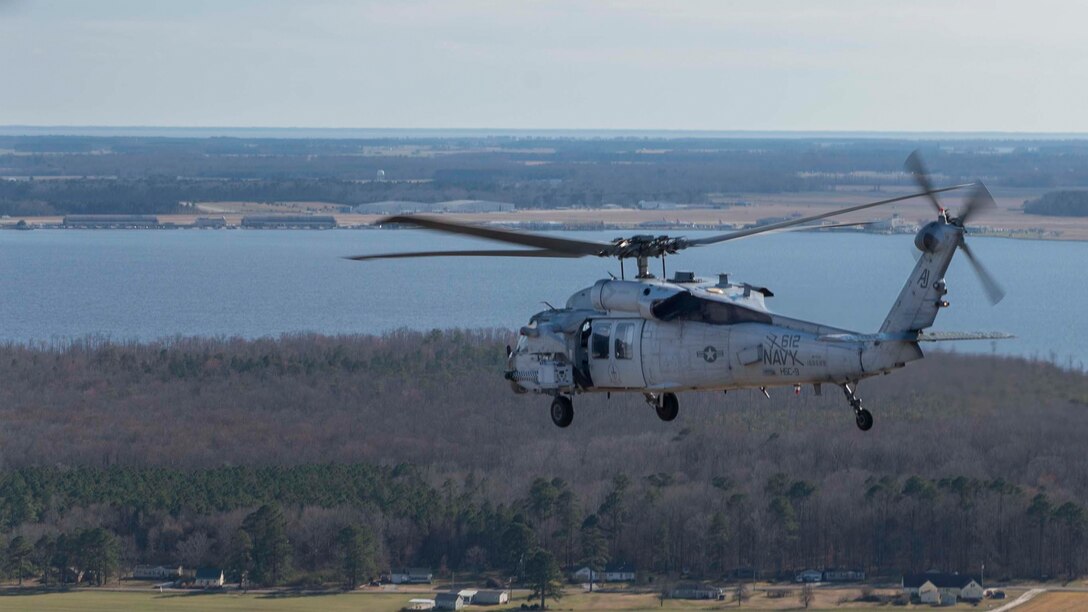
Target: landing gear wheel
pixel 864 419
pixel 668 407
pixel 562 411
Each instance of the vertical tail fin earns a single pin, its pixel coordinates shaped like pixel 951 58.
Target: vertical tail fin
pixel 922 295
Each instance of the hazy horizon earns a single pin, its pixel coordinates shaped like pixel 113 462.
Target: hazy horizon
pixel 349 132
pixel 846 67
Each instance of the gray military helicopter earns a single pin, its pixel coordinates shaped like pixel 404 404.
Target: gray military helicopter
pixel 658 336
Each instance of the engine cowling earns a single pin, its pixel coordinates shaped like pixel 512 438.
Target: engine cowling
pixel 628 296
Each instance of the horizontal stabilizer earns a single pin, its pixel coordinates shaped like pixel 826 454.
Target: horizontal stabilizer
pixel 939 336
pixel 935 336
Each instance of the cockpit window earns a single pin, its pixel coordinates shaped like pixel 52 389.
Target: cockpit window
pixel 599 343
pixel 625 340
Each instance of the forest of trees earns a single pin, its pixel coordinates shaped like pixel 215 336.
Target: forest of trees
pixel 1059 204
pixel 151 175
pixel 325 460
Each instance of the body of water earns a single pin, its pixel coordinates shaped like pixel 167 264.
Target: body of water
pixel 146 285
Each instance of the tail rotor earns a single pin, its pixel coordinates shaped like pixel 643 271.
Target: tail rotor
pixel 978 202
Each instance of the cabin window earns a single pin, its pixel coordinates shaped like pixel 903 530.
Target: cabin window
pixel 599 345
pixel 625 340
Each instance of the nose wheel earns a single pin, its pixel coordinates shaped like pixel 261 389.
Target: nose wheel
pixel 862 417
pixel 562 411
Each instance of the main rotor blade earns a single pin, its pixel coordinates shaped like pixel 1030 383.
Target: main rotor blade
pixel 980 201
pixel 918 170
pixel 565 245
pixel 800 221
pixel 483 253
pixel 803 228
pixel 989 283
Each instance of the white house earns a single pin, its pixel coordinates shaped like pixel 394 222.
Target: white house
pixel 208 577
pixel 158 572
pixel 420 604
pixel 809 576
pixel 491 597
pixel 468 595
pixel 612 573
pixel 943 589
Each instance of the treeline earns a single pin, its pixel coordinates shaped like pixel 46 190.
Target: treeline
pixel 298 459
pixel 1059 204
pixel 151 175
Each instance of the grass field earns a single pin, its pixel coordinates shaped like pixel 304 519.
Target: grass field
pixel 1056 602
pixel 122 601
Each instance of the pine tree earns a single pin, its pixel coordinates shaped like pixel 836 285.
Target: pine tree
pixel 271 549
pixel 18 562
pixel 357 554
pixel 542 575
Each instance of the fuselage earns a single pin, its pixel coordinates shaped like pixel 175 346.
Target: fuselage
pixel 666 336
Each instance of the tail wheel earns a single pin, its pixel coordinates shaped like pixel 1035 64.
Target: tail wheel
pixel 864 419
pixel 562 411
pixel 668 407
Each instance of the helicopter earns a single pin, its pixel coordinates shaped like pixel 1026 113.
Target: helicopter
pixel 661 336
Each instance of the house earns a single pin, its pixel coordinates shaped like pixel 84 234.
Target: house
pixel 420 604
pixel 468 595
pixel 491 597
pixel 697 591
pixel 448 601
pixel 208 577
pixel 611 573
pixel 842 575
pixel 943 589
pixel 157 572
pixel 809 576
pixel 415 575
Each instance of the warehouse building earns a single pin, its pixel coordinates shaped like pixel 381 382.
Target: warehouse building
pixel 289 221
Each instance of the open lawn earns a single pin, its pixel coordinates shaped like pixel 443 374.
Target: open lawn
pixel 121 601
pixel 1056 602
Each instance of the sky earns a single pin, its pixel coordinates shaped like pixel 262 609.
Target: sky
pixel 835 65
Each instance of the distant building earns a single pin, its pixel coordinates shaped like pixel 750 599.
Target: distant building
pixel 289 221
pixel 380 176
pixel 449 601
pixel 391 207
pixel 697 591
pixel 415 575
pixel 208 577
pixel 611 573
pixel 894 225
pixel 210 222
pixel 658 205
pixel 157 572
pixel 842 575
pixel 420 604
pixel 809 576
pixel 111 221
pixel 942 589
pixel 454 206
pixel 475 206
pixel 468 595
pixel 485 598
